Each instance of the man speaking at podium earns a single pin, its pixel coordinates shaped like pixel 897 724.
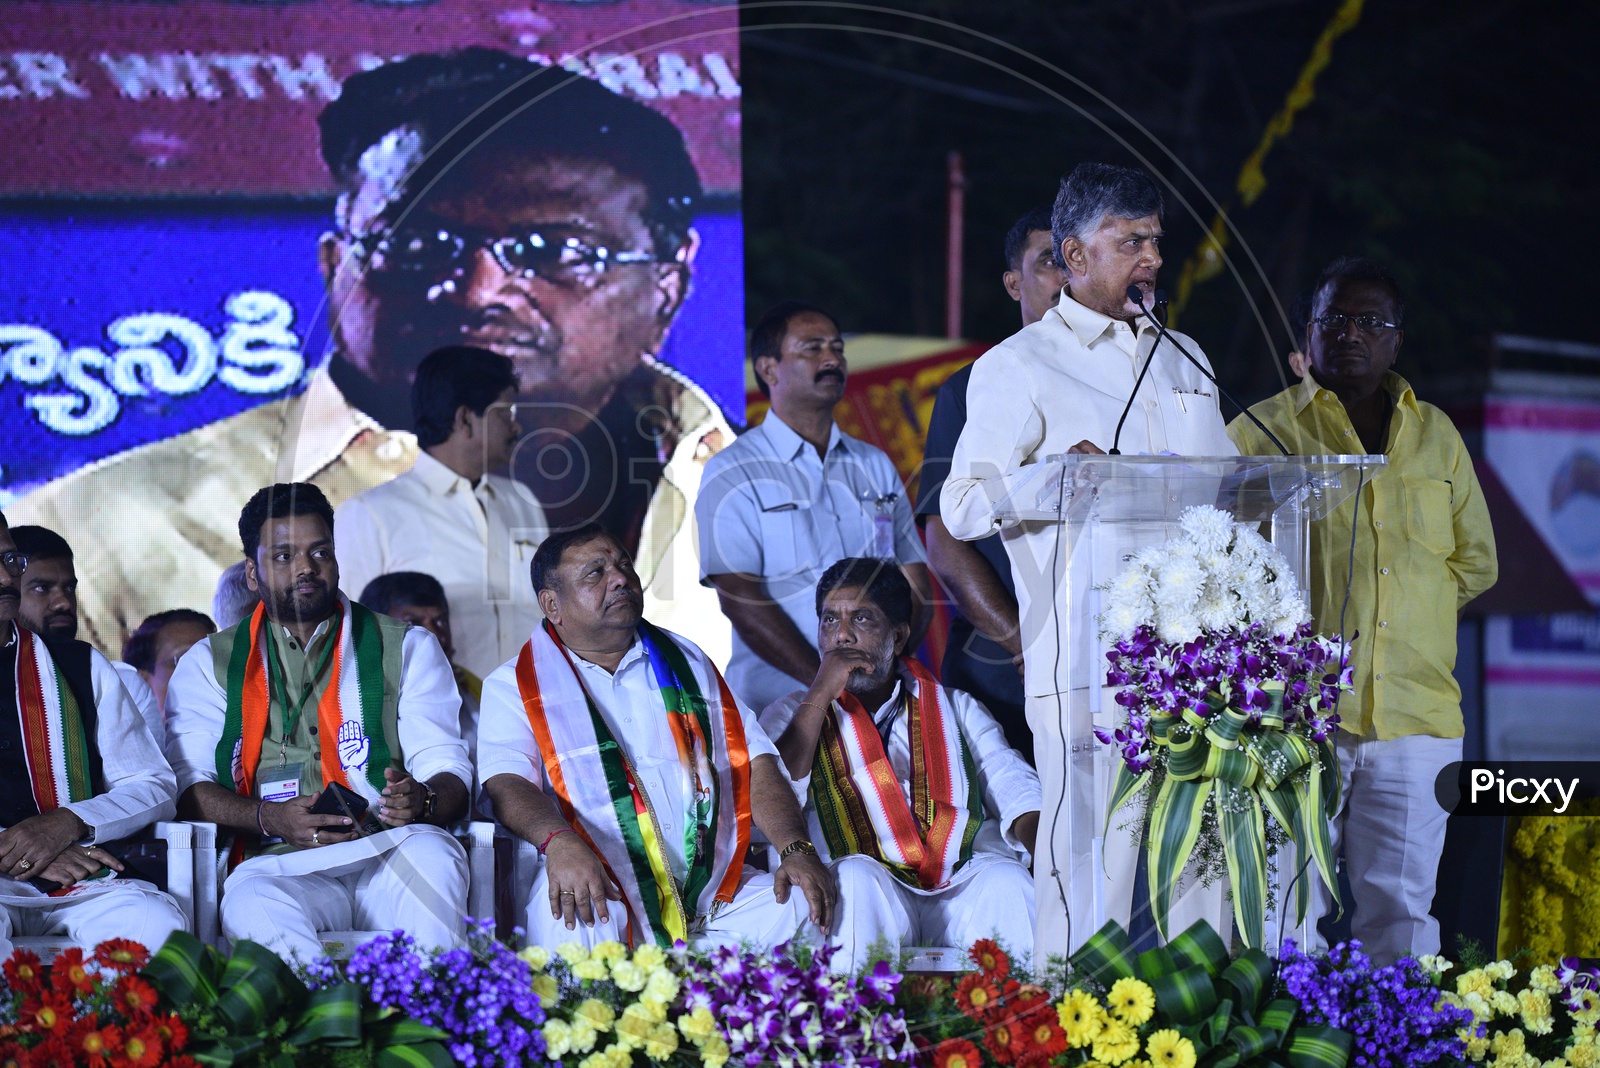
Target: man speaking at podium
pixel 1062 385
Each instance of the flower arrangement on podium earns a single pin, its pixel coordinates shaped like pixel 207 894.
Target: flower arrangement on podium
pixel 1230 703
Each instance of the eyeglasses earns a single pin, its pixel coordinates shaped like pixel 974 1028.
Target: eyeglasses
pixel 14 562
pixel 1334 323
pixel 433 254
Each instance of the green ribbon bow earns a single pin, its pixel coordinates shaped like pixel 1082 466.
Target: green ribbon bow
pixel 1219 1005
pixel 251 1009
pixel 1244 770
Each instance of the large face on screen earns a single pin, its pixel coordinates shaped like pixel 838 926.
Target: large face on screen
pixel 548 260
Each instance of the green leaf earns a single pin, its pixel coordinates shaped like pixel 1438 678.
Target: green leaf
pixel 1244 843
pixel 400 1030
pixel 1174 827
pixel 1156 961
pixel 426 1055
pixel 1250 976
pixel 1318 1047
pixel 178 971
pixel 333 1018
pixel 257 987
pixel 1106 956
pixel 212 1054
pixel 1185 996
pixel 1329 757
pixel 1279 1016
pixel 1125 786
pixel 1201 945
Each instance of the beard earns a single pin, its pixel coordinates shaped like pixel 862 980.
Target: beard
pixel 863 681
pixel 61 627
pixel 288 605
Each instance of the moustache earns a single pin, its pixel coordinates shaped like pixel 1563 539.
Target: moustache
pixel 830 374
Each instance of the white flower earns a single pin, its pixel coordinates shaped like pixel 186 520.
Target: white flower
pixel 1209 529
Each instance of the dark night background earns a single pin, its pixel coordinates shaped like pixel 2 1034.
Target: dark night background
pixel 1453 141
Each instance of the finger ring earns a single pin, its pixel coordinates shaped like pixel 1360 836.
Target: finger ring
pixel 315 840
pixel 25 865
pixel 567 893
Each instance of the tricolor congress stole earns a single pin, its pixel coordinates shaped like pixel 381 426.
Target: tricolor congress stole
pixel 53 735
pixel 600 796
pixel 354 694
pixel 860 804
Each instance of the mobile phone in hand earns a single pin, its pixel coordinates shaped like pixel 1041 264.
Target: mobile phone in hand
pixel 338 799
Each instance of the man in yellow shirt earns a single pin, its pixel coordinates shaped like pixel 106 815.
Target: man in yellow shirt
pixel 1423 548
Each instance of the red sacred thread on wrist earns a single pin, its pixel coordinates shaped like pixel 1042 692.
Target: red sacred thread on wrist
pixel 544 844
pixel 259 824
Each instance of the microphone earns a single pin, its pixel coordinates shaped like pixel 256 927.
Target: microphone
pixel 1136 295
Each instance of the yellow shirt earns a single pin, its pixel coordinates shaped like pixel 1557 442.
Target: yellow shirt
pixel 1423 549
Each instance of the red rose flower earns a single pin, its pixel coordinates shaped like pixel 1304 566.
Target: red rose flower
pixel 957 1053
pixel 976 996
pixel 990 959
pixel 121 955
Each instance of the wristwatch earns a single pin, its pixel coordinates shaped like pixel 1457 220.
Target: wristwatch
pixel 799 845
pixel 429 800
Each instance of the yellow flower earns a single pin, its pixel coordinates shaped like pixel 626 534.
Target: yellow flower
pixel 1168 1049
pixel 1535 1007
pixel 572 952
pixel 628 975
pixel 633 1030
pixel 597 1014
pixel 663 1043
pixel 592 968
pixel 581 1037
pixel 1589 1015
pixel 1509 1046
pixel 1477 1045
pixel 595 1060
pixel 609 951
pixel 535 957
pixel 1500 970
pixel 714 1054
pixel 1505 1003
pixel 1479 1007
pixel 662 985
pixel 650 956
pixel 557 1039
pixel 1556 1062
pixel 1475 982
pixel 1582 1032
pixel 654 1007
pixel 548 989
pixel 1543 979
pixel 1116 1042
pixel 1434 963
pixel 1132 1001
pixel 619 1056
pixel 698 1026
pixel 1581 1055
pixel 1080 1018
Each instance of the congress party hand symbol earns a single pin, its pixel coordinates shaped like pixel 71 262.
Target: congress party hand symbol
pixel 353 745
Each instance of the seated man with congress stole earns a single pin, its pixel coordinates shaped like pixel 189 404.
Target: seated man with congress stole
pixel 919 800
pixel 616 748
pixel 78 771
pixel 309 699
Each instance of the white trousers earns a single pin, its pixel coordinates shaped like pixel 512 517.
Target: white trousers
pixel 418 886
pixel 123 908
pixel 754 918
pixel 1071 866
pixel 991 898
pixel 1392 829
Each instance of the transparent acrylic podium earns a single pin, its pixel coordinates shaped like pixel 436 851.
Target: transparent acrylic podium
pixel 1077 521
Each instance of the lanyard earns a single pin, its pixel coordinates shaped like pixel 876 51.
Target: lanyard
pixel 291 716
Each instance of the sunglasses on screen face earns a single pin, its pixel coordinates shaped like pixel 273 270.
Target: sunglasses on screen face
pixel 427 253
pixel 1334 323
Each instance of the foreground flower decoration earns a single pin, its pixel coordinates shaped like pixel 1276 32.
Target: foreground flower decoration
pixel 1231 701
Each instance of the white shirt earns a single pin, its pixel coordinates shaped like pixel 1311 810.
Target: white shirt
pixel 769 506
pixel 630 702
pixel 144 698
pixel 477 540
pixel 139 786
pixel 428 718
pixel 1010 786
pixel 1060 381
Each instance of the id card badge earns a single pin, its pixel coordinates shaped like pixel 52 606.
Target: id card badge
pixel 883 527
pixel 279 783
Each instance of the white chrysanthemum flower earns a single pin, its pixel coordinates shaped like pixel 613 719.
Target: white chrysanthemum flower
pixel 1210 529
pixel 1178 627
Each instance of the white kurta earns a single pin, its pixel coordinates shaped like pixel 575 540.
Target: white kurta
pixel 144 698
pixel 771 507
pixel 989 896
pixel 633 709
pixel 140 790
pixel 477 540
pixel 413 878
pixel 1063 380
